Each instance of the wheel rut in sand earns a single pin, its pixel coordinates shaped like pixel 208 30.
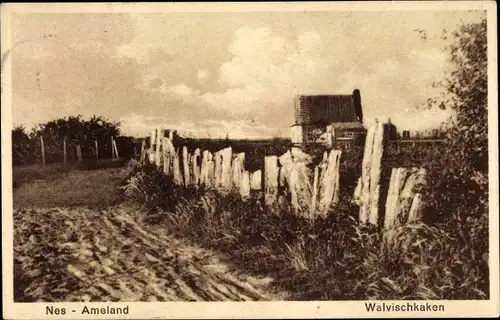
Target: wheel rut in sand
pixel 81 254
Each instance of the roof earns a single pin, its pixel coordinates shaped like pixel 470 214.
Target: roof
pixel 310 109
pixel 348 125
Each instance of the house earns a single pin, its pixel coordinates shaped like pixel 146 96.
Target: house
pixel 329 120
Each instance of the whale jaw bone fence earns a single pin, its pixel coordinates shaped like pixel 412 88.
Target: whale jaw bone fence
pixel 313 189
pixel 403 203
pixel 225 171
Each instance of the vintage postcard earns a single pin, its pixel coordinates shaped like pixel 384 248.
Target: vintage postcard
pixel 250 160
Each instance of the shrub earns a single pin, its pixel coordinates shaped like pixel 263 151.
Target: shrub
pixel 150 187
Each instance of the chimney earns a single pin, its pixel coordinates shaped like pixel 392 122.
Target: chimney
pixel 356 96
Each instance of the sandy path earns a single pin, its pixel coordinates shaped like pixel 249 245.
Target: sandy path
pixel 86 255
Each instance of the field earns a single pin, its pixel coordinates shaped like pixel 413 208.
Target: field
pixel 66 185
pixel 76 240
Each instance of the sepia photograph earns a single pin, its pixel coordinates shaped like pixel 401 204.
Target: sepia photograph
pixel 272 152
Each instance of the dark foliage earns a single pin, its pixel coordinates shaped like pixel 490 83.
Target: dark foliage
pixel 26 147
pixel 459 177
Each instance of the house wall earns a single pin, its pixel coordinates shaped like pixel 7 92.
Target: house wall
pixel 296 134
pixel 322 136
pixel 311 134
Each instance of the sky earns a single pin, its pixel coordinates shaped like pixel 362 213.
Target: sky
pixel 227 74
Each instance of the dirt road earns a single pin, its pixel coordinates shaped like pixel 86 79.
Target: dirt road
pixel 82 254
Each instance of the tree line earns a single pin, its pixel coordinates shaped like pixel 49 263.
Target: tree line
pixel 72 131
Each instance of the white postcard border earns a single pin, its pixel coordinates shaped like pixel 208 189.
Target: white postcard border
pixel 223 310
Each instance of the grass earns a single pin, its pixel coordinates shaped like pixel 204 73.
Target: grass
pixel 329 258
pixel 88 183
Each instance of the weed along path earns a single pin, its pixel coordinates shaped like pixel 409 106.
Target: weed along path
pixel 83 254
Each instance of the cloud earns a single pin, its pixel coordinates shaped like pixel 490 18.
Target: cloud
pixel 182 90
pixel 203 75
pixel 149 54
pixel 155 83
pixel 137 124
pixel 427 118
pixel 141 125
pixel 266 70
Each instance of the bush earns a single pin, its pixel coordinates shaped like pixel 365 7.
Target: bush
pixel 150 187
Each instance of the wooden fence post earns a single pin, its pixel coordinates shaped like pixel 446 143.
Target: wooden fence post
pixel 112 149
pixel 96 150
pixel 79 152
pixel 42 149
pixel 270 179
pixel 116 150
pixel 64 151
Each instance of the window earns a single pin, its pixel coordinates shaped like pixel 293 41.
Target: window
pixel 346 146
